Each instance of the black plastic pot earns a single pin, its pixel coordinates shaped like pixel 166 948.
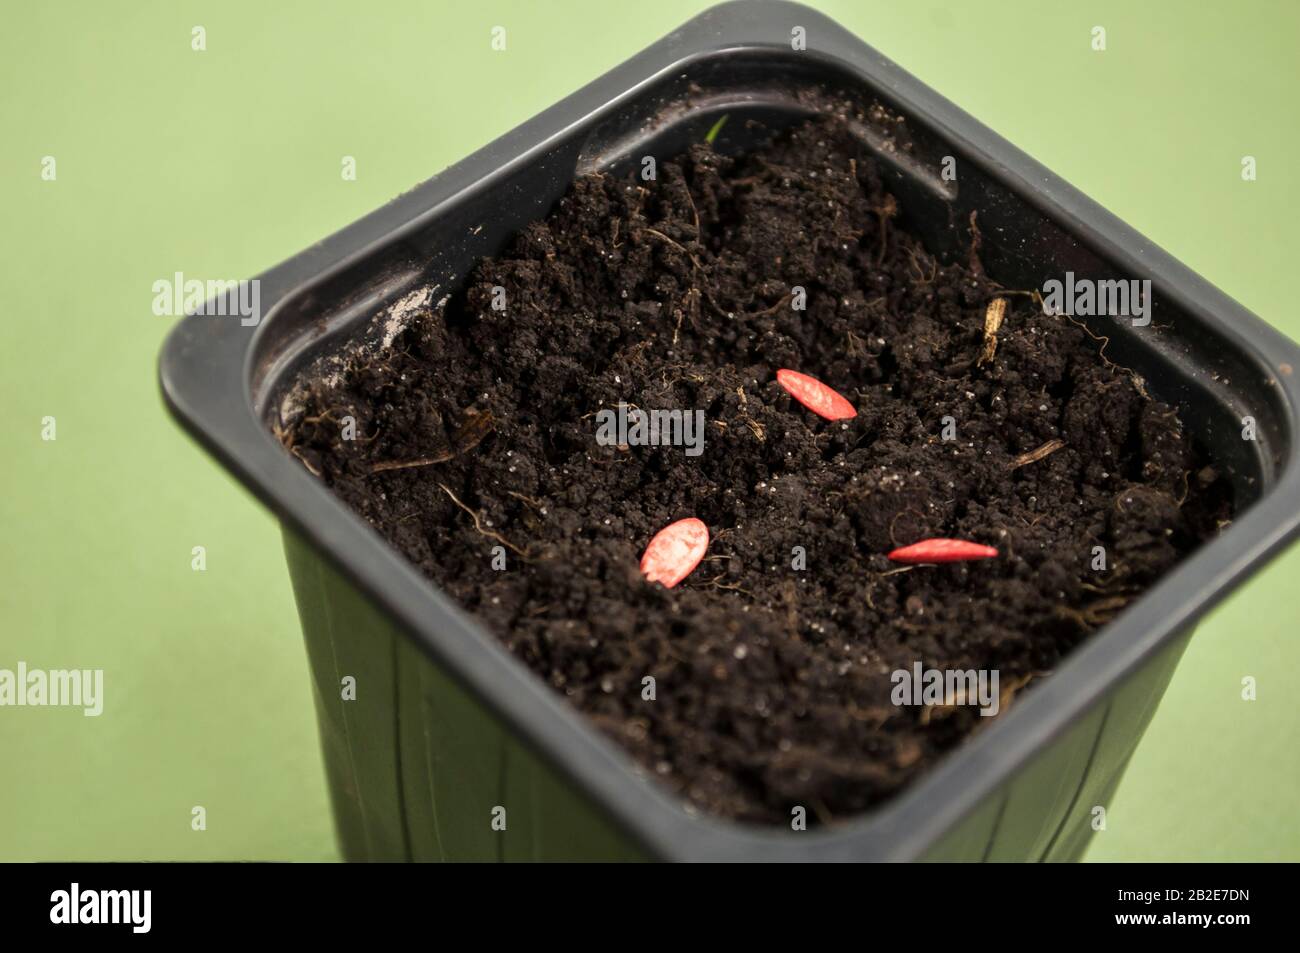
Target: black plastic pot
pixel 447 726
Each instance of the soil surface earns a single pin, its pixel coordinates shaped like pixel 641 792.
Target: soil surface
pixel 476 428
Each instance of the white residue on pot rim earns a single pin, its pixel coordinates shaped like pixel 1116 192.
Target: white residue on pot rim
pixel 400 312
pixel 391 321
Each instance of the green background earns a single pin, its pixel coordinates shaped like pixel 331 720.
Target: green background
pixel 222 162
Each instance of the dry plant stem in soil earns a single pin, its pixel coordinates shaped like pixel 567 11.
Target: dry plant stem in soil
pixel 772 683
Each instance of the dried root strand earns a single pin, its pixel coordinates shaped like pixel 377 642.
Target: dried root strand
pixel 472 430
pixel 976 240
pixel 993 316
pixel 311 468
pixel 1096 614
pixel 478 523
pixel 408 464
pixel 1033 456
pixel 1008 691
pixel 469 435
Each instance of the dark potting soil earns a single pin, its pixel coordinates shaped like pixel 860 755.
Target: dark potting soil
pixel 476 428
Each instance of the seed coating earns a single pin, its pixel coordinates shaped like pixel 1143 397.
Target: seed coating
pixel 816 396
pixel 675 551
pixel 942 551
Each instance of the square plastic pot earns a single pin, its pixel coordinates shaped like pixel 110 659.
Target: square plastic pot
pixel 446 726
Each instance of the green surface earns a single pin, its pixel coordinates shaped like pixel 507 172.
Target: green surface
pixel 222 162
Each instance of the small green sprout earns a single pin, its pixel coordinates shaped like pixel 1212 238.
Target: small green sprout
pixel 717 128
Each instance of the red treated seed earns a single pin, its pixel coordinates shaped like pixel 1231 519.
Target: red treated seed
pixel 675 551
pixel 942 551
pixel 815 395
